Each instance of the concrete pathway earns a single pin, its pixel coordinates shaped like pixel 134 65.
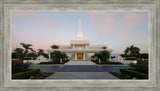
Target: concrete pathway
pixel 79 68
pixel 80 63
pixel 82 75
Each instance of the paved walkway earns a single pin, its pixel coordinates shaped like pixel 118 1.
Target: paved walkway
pixel 80 63
pixel 79 68
pixel 81 75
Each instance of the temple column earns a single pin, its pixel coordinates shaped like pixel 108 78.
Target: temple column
pixel 73 46
pixel 75 56
pixel 86 46
pixel 84 56
pixel 49 56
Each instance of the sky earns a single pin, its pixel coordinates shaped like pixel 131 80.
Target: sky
pixel 116 30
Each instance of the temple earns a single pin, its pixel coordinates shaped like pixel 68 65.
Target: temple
pixel 80 49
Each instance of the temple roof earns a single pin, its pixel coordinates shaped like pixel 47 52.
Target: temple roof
pixel 79 42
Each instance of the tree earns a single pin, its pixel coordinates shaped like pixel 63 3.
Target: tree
pixel 18 53
pixel 103 55
pixel 57 55
pixel 27 48
pixel 54 47
pixel 132 51
pixel 40 52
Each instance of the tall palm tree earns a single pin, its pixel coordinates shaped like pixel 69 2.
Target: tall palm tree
pixel 26 47
pixel 132 51
pixel 40 52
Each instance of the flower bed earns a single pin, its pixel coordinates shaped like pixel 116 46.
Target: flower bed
pixel 133 73
pixel 42 75
pixel 119 75
pixel 32 74
pixel 26 74
pixel 19 66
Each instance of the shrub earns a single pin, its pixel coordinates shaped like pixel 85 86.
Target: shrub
pixel 57 55
pixel 26 74
pixel 55 62
pixel 106 62
pixel 103 55
pixel 142 66
pixel 19 66
pixel 133 73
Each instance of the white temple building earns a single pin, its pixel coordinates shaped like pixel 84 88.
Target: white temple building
pixel 80 49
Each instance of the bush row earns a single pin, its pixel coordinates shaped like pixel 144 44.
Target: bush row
pixel 106 62
pixel 133 73
pixel 26 74
pixel 54 62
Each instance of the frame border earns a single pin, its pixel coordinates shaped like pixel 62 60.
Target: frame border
pixel 150 6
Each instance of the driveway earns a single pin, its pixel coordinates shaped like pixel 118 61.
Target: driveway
pixel 80 70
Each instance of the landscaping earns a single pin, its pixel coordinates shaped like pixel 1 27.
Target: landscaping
pixel 20 71
pixel 54 62
pixel 106 62
pixel 56 57
pixel 138 71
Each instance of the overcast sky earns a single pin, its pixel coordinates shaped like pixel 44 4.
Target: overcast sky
pixel 117 30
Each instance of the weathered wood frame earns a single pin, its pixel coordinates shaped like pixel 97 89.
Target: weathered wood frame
pixel 150 6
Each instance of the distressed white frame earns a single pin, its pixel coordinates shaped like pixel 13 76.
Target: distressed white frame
pixel 8 6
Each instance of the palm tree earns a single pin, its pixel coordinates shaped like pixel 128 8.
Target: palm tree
pixel 132 51
pixel 26 47
pixel 54 47
pixel 40 52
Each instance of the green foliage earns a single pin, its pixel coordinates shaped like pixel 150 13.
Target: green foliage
pixel 55 62
pixel 105 62
pixel 42 75
pixel 133 73
pixel 41 52
pixel 18 54
pixel 57 55
pixel 132 51
pixel 103 55
pixel 119 75
pixel 54 47
pixel 26 74
pixel 19 66
pixel 27 48
pixel 144 56
pixel 32 55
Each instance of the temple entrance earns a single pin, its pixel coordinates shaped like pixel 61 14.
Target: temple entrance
pixel 79 56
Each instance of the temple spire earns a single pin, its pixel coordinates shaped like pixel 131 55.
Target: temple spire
pixel 79 34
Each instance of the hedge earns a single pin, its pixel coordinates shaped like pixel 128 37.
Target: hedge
pixel 54 62
pixel 105 62
pixel 26 74
pixel 133 73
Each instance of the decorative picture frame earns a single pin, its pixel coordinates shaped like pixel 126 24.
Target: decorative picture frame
pixel 8 6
